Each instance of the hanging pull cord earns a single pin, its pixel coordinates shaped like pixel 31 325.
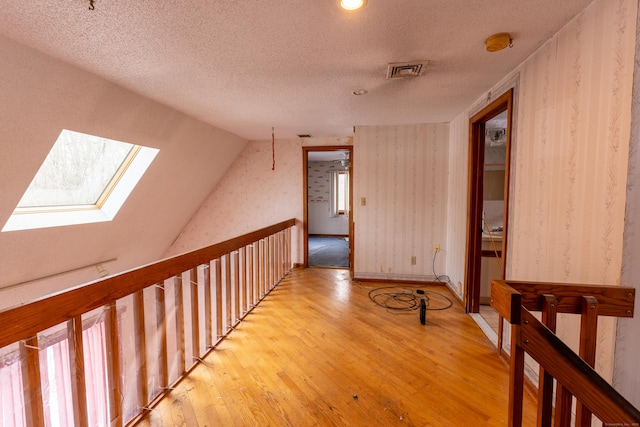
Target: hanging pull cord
pixel 91 5
pixel 273 150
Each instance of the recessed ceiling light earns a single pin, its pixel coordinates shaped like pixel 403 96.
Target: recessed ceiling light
pixel 352 4
pixel 360 92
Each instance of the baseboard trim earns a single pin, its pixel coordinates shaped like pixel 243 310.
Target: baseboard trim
pixel 402 279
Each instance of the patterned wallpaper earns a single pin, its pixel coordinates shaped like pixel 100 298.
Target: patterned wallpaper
pixel 625 377
pixel 252 196
pixel 570 158
pixel 249 197
pixel 401 171
pixel 319 180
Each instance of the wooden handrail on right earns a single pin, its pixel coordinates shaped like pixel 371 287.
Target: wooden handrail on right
pixel 574 374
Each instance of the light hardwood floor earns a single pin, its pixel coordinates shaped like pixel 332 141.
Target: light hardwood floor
pixel 318 352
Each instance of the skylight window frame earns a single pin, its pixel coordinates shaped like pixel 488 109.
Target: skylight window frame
pixel 104 196
pixel 106 207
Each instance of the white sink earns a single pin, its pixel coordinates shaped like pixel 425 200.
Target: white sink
pixel 493 235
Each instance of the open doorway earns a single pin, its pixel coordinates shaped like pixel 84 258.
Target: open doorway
pixel 328 187
pixel 487 229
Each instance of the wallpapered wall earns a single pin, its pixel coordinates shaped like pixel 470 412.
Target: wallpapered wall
pixel 625 378
pixel 252 196
pixel 570 158
pixel 402 173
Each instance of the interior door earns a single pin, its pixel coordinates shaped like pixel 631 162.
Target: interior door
pixel 341 157
pixel 478 228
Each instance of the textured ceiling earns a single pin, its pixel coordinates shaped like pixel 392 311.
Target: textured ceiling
pixel 245 66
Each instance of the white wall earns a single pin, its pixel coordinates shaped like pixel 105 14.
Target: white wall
pixel 402 173
pixel 570 159
pixel 40 97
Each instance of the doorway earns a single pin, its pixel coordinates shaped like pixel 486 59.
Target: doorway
pixel 487 228
pixel 328 223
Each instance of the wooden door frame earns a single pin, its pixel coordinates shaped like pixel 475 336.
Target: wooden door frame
pixel 475 198
pixel 305 195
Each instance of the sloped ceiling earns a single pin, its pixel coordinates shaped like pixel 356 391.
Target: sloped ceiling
pixel 248 66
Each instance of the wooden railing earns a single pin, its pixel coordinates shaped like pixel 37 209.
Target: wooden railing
pixel 574 374
pixel 223 284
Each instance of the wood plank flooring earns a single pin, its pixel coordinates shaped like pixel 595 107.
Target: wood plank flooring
pixel 318 352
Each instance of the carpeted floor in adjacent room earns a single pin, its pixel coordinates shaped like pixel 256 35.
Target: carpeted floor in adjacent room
pixel 328 251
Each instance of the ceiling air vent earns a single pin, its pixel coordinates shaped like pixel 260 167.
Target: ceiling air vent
pixel 402 70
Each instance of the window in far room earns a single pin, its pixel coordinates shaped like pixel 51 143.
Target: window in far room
pixel 83 179
pixel 340 192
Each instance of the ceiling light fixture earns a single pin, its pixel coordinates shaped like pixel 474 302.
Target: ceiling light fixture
pixel 498 42
pixel 352 4
pixel 360 92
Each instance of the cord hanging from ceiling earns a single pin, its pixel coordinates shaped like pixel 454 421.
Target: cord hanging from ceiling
pixel 273 150
pixel 91 5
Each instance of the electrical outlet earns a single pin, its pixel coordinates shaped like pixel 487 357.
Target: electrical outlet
pixel 413 260
pixel 363 201
pixel 436 247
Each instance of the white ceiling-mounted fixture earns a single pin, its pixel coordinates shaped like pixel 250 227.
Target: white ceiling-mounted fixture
pixel 345 162
pixel 403 70
pixel 351 5
pixel 495 137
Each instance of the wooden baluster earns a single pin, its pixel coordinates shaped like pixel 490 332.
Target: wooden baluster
pixel 516 379
pixel 283 246
pixel 195 318
pixel 563 397
pixel 250 283
pixel 76 368
pixel 161 328
pixel 588 340
pixel 207 306
pixel 500 335
pixel 218 277
pixel 236 288
pixel 563 407
pixel 114 379
pixel 545 387
pixel 227 294
pixel 278 257
pixel 139 334
pixel 179 307
pixel 265 267
pixel 285 261
pixel 243 282
pixel 32 391
pixel 261 269
pixel 272 261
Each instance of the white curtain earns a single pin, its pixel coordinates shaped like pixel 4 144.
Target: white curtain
pixel 333 196
pixel 56 380
pixel 11 396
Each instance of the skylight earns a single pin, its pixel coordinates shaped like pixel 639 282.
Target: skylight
pixel 83 179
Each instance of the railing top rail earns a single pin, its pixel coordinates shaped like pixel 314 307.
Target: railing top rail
pixel 22 322
pixel 615 301
pixel 574 373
